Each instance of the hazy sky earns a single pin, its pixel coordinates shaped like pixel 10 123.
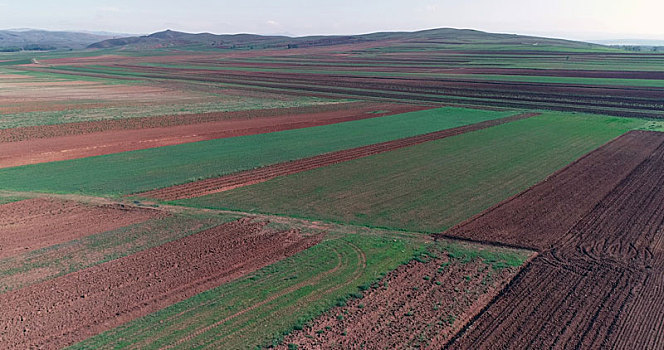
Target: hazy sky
pixel 574 19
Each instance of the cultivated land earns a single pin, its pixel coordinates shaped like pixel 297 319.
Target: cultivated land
pixel 430 186
pixel 80 140
pixel 597 277
pixel 391 190
pixel 138 171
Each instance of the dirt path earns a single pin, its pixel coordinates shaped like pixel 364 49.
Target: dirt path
pixel 250 177
pixel 39 150
pixel 102 297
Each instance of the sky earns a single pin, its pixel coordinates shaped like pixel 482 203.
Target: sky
pixel 570 19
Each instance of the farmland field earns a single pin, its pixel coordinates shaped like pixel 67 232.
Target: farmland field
pixel 600 270
pixel 436 189
pixel 431 186
pixel 137 171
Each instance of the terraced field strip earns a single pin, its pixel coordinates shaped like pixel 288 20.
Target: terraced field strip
pixel 99 298
pixel 257 310
pixel 430 186
pixel 32 224
pixel 598 280
pixel 109 142
pixel 221 184
pixel 144 170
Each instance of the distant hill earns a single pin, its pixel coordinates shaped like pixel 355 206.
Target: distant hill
pixel 170 38
pixel 30 39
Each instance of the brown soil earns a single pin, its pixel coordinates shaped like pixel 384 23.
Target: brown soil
pixel 108 142
pixel 250 177
pixel 37 223
pixel 599 285
pixel 71 308
pixel 419 305
pixel 301 114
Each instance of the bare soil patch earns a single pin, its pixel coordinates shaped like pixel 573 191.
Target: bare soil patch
pixel 37 223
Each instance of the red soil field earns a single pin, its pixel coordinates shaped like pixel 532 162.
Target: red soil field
pixel 37 223
pixel 73 307
pixel 599 286
pixel 415 306
pixel 108 142
pixel 250 177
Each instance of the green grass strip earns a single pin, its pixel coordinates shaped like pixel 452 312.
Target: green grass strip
pixel 143 170
pixel 431 186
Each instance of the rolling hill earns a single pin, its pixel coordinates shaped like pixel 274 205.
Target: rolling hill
pixel 451 36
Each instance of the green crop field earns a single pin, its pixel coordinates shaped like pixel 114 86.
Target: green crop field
pixel 259 309
pixel 137 171
pixel 431 186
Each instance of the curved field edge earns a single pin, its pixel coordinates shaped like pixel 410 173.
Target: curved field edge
pixel 417 305
pixel 261 308
pixel 143 170
pixel 431 186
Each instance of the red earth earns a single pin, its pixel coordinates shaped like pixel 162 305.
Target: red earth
pixel 71 141
pixel 68 309
pixel 38 223
pixel 250 177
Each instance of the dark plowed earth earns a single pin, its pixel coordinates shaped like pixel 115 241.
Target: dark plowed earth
pixel 250 177
pixel 105 296
pixel 600 284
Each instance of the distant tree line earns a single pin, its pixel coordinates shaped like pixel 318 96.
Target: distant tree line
pixel 641 48
pixel 31 47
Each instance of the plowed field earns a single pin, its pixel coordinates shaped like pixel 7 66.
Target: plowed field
pixel 37 223
pixel 93 300
pixel 598 284
pixel 541 215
